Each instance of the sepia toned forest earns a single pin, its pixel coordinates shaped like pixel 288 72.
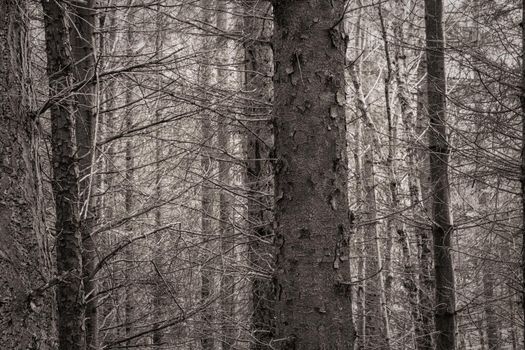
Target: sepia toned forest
pixel 262 175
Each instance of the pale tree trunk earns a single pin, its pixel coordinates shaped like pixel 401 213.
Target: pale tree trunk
pixel 376 333
pixel 258 72
pixel 26 306
pixel 442 229
pixel 312 218
pixel 208 332
pixel 393 222
pixel 356 148
pixel 69 293
pixel 226 233
pixel 82 44
pixel 129 203
pixel 422 335
pixel 159 285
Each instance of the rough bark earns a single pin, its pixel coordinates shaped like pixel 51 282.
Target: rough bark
pixel 442 229
pixel 82 45
pixel 522 167
pixel 312 218
pixel 26 305
pixel 69 295
pixel 259 70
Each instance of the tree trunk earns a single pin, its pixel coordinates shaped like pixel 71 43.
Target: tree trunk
pixel 208 337
pixel 69 293
pixel 82 44
pixel 312 218
pixel 129 200
pixel 376 333
pixel 26 308
pixel 442 229
pixel 522 168
pixel 259 70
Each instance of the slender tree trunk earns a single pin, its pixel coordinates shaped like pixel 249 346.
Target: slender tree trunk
pixel 423 215
pixel 129 202
pixel 208 337
pixel 422 335
pixel 227 242
pixel 82 44
pixel 69 292
pixel 376 333
pixel 312 218
pixel 442 229
pixel 159 287
pixel 26 308
pixel 259 70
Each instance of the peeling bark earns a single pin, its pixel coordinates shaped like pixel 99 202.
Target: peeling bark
pixel 312 218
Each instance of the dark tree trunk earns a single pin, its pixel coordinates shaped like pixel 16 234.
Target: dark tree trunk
pixel 25 308
pixel 442 230
pixel 82 42
pixel 65 178
pixel 312 218
pixel 522 179
pixel 259 69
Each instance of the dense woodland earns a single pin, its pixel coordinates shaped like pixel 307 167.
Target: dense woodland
pixel 247 174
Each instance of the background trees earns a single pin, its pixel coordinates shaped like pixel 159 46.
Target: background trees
pixel 145 150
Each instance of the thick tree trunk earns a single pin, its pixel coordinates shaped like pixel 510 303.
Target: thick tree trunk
pixel 82 44
pixel 442 229
pixel 312 218
pixel 259 70
pixel 522 168
pixel 69 292
pixel 26 307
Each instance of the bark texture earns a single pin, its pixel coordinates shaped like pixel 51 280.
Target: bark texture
pixel 444 314
pixel 25 306
pixel 69 293
pixel 312 220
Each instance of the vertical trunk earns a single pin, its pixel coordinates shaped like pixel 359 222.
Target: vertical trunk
pixel 159 286
pixel 82 44
pixel 208 341
pixel 393 223
pixel 312 218
pixel 376 325
pixel 259 70
pixel 225 226
pixel 65 179
pixel 128 193
pixel 522 179
pixel 423 215
pixel 422 336
pixel 442 230
pixel 25 311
